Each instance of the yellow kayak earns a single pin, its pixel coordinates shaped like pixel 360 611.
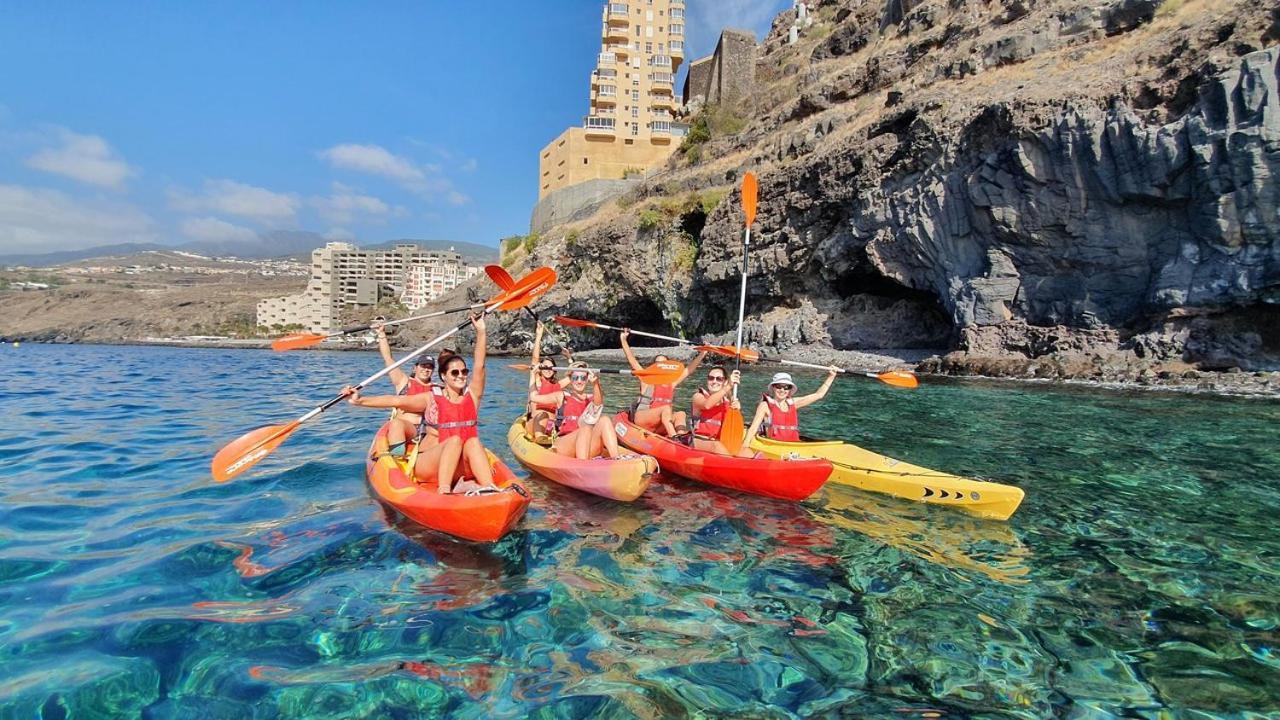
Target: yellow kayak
pixel 872 472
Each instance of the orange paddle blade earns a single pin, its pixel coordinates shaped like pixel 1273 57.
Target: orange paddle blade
pixel 518 366
pixel 245 451
pixel 749 191
pixel 500 276
pixel 898 378
pixel 530 288
pixel 574 322
pixel 746 354
pixel 732 433
pixel 665 372
pixel 296 341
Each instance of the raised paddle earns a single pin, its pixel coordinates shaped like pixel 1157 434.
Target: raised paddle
pixel 659 373
pixel 731 430
pixel 245 452
pixel 297 341
pixel 896 378
pixel 727 350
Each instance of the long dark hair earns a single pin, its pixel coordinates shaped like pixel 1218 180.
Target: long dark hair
pixel 446 357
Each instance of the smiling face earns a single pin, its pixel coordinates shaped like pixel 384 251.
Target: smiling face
pixel 781 390
pixel 716 379
pixel 547 370
pixel 454 373
pixel 422 373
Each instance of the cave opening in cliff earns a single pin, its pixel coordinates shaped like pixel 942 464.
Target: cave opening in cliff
pixel 637 313
pixel 878 312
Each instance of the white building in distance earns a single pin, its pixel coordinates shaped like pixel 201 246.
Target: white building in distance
pixel 343 274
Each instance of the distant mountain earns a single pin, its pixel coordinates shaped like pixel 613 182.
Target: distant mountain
pixel 70 256
pixel 276 244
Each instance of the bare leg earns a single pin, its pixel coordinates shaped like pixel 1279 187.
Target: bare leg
pixel 665 417
pixel 582 442
pixel 450 456
pixel 424 468
pixel 606 436
pixel 567 444
pixel 649 418
pixel 714 446
pixel 400 431
pixel 478 462
pixel 681 421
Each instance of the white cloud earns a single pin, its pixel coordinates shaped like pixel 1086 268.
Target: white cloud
pixel 345 205
pixel 469 165
pixel 210 228
pixel 43 220
pixel 427 180
pixel 339 234
pixel 85 158
pixel 229 197
pixel 374 160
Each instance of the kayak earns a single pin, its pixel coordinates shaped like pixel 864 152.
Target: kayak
pixel 866 470
pixel 484 517
pixel 622 479
pixel 782 479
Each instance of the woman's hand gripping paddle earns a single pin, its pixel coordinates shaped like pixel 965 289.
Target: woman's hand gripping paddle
pixel 247 450
pixel 732 431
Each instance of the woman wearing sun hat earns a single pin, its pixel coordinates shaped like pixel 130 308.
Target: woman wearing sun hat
pixel 777 414
pixel 577 432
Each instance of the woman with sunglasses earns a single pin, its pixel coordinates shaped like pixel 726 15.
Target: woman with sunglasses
pixel 709 405
pixel 653 409
pixel 542 380
pixel 777 414
pixel 407 424
pixel 456 400
pixel 578 432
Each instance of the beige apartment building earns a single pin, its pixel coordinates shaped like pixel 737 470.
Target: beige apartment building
pixel 631 119
pixel 343 274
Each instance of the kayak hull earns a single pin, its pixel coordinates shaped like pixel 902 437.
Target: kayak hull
pixel 865 470
pixel 481 518
pixel 781 479
pixel 623 479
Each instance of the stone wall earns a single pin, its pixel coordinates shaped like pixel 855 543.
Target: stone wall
pixel 575 202
pixel 726 76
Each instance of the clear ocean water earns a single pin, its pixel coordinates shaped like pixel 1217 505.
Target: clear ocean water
pixel 1140 578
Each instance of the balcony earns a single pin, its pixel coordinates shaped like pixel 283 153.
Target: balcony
pixel 607 95
pixel 660 61
pixel 676 30
pixel 620 50
pixel 664 102
pixel 663 81
pixel 613 30
pixel 598 126
pixel 677 13
pixel 677 48
pixel 618 13
pixel 607 59
pixel 604 76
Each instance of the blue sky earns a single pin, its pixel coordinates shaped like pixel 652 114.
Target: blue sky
pixel 176 121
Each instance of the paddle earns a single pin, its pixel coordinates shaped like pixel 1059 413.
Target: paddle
pixel 297 341
pixel 245 452
pixel 731 430
pixel 727 350
pixel 659 373
pixel 896 378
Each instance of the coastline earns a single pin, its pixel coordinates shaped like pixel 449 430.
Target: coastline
pixel 1238 384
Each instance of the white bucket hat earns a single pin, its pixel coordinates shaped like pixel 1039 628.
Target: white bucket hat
pixel 783 379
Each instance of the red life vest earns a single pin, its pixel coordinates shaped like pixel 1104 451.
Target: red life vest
pixel 782 424
pixel 569 411
pixel 546 387
pixel 455 419
pixel 414 387
pixel 708 424
pixel 656 396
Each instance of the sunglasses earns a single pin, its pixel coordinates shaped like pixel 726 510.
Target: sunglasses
pixel 458 372
pixel 715 378
pixel 578 376
pixel 545 368
pixel 780 387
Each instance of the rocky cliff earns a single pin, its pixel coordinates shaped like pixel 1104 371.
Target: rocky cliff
pixel 1060 188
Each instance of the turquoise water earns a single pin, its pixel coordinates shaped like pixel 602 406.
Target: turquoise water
pixel 1138 579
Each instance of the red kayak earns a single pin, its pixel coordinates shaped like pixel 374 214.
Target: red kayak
pixel 782 479
pixel 484 518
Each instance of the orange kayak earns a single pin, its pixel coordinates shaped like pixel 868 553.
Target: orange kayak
pixel 483 518
pixel 623 479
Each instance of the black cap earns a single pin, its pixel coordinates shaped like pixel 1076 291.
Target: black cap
pixel 427 360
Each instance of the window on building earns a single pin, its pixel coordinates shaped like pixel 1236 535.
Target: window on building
pixel 584 161
pixel 635 112
pixel 648 48
pixel 635 96
pixel 629 141
pixel 635 128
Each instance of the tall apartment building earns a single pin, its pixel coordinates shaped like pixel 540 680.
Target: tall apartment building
pixel 631 118
pixel 343 274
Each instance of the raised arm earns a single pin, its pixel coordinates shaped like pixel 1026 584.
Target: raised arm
pixel 397 377
pixel 537 354
pixel 761 410
pixel 821 393
pixel 409 403
pixel 692 367
pixel 626 350
pixel 597 393
pixel 477 360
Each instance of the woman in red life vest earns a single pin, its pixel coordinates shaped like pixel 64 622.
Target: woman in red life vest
pixel 458 452
pixel 408 424
pixel 578 432
pixel 709 405
pixel 777 412
pixel 541 418
pixel 653 409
